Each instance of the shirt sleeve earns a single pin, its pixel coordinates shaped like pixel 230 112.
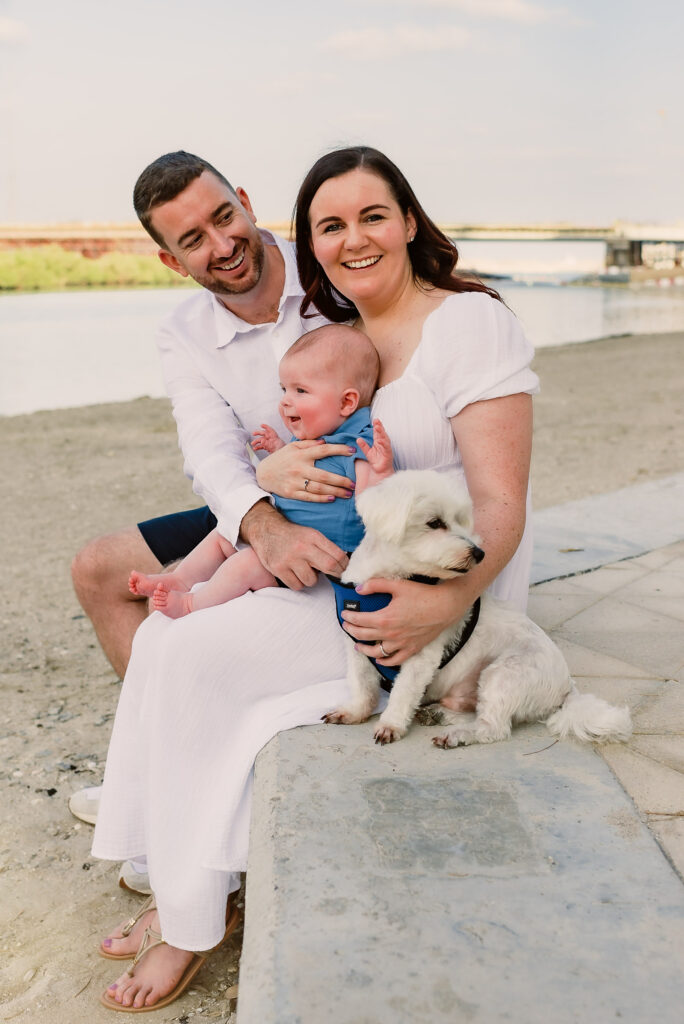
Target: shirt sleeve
pixel 477 350
pixel 213 441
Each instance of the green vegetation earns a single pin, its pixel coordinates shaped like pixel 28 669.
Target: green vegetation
pixel 51 268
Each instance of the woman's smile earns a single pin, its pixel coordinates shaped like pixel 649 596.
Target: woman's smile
pixel 369 261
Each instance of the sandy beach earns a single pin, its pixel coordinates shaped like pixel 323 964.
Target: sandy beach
pixel 609 415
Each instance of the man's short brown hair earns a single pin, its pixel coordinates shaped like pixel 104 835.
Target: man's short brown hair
pixel 164 179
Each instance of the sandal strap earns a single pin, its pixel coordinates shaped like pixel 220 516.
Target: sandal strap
pixel 150 940
pixel 149 904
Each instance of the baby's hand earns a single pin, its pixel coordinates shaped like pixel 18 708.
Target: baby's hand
pixel 380 455
pixel 266 439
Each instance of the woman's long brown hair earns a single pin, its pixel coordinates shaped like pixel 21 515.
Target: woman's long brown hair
pixel 433 256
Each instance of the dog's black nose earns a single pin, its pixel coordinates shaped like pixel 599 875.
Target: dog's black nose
pixel 477 553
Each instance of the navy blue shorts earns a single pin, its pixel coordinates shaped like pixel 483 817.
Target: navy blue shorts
pixel 172 537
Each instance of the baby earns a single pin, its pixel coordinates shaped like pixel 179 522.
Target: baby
pixel 328 378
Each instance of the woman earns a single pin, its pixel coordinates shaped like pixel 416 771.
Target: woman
pixel 198 701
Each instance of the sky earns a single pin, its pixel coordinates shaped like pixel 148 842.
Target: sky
pixel 497 111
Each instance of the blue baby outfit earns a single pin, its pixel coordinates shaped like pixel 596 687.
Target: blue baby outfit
pixel 338 520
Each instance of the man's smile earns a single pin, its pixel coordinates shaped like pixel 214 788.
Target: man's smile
pixel 233 265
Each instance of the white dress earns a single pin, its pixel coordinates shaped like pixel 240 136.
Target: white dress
pixel 203 694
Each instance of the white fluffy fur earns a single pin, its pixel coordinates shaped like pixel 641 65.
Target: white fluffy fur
pixel 509 670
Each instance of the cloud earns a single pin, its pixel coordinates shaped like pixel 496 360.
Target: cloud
pixel 524 12
pixel 12 31
pixel 397 40
pixel 296 82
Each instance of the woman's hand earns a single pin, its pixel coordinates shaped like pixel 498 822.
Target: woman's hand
pixel 417 613
pixel 290 472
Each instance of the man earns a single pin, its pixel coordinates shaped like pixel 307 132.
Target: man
pixel 220 352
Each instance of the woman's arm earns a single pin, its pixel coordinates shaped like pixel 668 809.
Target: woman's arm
pixel 494 438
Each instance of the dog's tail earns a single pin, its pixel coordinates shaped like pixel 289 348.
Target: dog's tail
pixel 588 718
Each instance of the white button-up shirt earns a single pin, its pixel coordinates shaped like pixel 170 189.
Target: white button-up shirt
pixel 221 374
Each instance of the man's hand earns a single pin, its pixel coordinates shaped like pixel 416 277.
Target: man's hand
pixel 292 553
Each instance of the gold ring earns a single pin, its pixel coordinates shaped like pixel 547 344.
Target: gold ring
pixel 306 484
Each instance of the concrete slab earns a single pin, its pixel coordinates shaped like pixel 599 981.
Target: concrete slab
pixel 606 580
pixel 646 639
pixel 585 662
pixel 511 882
pixel 663 712
pixel 667 750
pixel 634 693
pixel 670 833
pixel 654 786
pixel 591 532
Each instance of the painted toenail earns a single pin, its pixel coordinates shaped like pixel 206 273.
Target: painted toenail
pixel 107 943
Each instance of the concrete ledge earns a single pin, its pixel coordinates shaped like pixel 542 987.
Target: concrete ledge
pixel 495 883
pixel 585 534
pixel 514 882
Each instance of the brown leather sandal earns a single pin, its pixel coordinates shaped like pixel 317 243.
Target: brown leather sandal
pixel 149 904
pixel 151 939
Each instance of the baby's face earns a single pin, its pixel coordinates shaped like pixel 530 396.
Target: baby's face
pixel 312 398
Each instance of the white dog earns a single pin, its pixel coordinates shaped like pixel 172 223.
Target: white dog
pixel 420 522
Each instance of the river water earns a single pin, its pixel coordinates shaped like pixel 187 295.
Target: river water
pixel 65 349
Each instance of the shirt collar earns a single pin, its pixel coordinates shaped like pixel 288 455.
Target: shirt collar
pixel 229 325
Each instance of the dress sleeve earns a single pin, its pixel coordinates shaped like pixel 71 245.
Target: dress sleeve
pixel 476 349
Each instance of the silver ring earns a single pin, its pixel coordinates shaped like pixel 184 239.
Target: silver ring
pixel 384 652
pixel 306 484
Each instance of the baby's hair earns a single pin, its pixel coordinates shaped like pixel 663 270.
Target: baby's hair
pixel 346 351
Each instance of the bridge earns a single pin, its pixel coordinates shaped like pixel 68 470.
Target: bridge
pixel 624 241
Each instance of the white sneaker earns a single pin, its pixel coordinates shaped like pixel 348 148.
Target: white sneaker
pixel 85 803
pixel 133 880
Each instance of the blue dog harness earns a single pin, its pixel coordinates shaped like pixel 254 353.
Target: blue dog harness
pixel 347 599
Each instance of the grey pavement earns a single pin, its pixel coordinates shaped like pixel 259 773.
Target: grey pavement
pixel 591 532
pixel 526 881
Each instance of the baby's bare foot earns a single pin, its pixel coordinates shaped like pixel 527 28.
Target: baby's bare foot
pixel 143 586
pixel 157 974
pixel 170 602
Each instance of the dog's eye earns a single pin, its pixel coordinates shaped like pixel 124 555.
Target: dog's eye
pixel 436 524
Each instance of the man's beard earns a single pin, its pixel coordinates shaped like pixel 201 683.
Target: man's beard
pixel 256 253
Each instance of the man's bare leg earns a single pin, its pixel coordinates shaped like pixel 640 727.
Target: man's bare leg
pixel 100 576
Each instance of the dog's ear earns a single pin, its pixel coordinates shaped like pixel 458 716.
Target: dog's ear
pixel 385 509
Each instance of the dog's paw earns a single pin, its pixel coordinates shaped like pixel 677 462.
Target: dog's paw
pixel 343 717
pixel 388 734
pixel 430 714
pixel 453 738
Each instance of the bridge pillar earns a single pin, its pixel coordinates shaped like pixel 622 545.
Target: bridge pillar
pixel 623 252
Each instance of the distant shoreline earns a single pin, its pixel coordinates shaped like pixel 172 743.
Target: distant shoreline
pixel 51 268
pixel 609 414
